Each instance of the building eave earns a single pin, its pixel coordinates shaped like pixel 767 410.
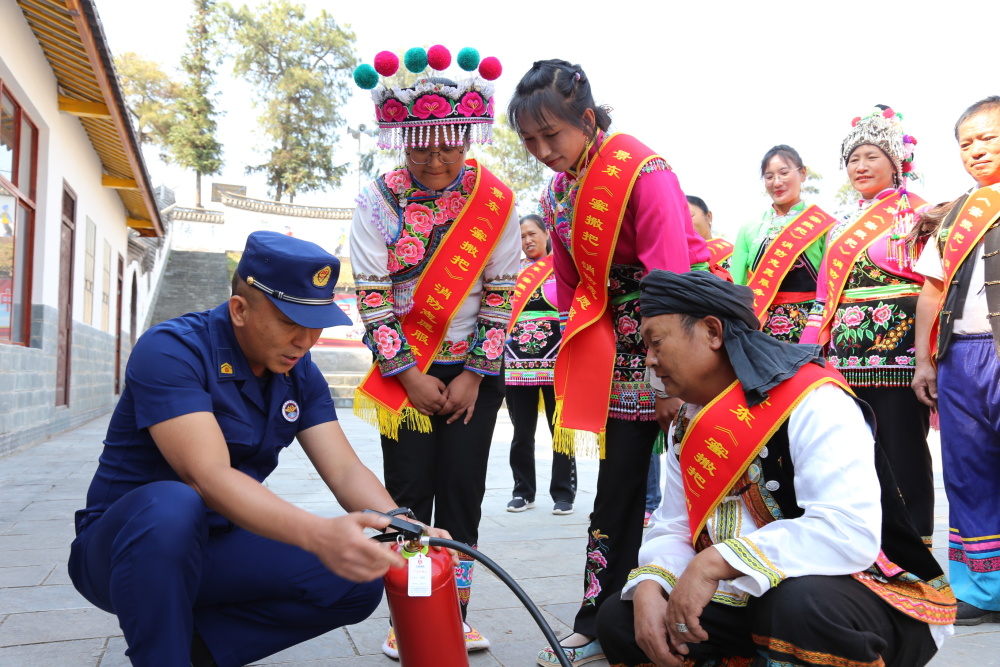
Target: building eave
pixel 69 32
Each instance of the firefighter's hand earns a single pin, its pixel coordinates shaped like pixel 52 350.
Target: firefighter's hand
pixel 426 392
pixel 460 396
pixel 445 535
pixel 342 546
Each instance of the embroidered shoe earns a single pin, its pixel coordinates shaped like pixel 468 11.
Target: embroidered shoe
pixel 579 655
pixel 473 640
pixel 562 507
pixel 646 519
pixel 519 504
pixel 389 646
pixel 969 614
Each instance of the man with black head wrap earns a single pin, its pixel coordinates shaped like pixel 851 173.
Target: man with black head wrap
pixel 781 536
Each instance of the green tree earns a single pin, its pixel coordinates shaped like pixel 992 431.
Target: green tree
pixel 151 96
pixel 507 158
pixel 301 71
pixel 811 186
pixel 192 138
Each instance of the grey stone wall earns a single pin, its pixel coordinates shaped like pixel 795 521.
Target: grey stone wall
pixel 28 413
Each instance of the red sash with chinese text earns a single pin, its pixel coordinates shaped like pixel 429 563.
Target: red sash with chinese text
pixel 585 365
pixel 980 210
pixel 723 439
pixel 842 252
pixel 531 278
pixel 780 256
pixel 440 291
pixel 719 250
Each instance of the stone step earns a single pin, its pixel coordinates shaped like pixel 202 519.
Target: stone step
pixel 340 360
pixel 342 392
pixel 344 379
pixel 191 282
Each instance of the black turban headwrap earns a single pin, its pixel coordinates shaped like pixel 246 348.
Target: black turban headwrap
pixel 760 362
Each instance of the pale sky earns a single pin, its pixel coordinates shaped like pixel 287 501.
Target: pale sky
pixel 709 85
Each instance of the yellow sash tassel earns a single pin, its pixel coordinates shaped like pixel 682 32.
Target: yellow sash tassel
pixel 388 422
pixel 573 442
pixel 541 402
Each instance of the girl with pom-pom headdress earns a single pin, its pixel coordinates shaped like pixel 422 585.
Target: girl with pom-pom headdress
pixel 866 300
pixel 435 245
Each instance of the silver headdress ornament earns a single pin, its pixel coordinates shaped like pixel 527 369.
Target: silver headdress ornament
pixel 882 127
pixel 433 110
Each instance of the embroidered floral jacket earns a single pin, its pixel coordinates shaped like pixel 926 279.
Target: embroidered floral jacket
pixel 656 233
pixel 397 226
pixel 872 336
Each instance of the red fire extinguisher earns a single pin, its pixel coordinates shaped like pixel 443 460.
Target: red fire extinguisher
pixel 424 607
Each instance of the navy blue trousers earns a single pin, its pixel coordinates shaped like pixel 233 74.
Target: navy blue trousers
pixel 153 560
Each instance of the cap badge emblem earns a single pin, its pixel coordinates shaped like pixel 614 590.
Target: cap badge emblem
pixel 322 277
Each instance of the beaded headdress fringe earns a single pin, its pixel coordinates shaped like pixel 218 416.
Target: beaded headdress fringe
pixel 433 111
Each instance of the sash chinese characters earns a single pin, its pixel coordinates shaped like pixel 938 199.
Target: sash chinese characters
pixel 585 365
pixel 723 439
pixel 842 252
pixel 780 256
pixel 531 278
pixel 442 288
pixel 719 250
pixel 980 210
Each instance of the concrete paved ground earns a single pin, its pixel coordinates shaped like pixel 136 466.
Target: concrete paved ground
pixel 44 622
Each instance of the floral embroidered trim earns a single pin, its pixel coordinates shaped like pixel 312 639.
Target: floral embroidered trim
pixel 728 599
pixel 912 596
pixel 597 562
pixel 755 559
pixel 422 220
pixel 804 657
pixel 787 321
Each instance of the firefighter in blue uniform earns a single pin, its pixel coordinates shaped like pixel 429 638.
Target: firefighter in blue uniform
pixel 199 560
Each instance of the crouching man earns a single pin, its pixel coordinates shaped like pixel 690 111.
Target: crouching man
pixel 781 539
pixel 180 539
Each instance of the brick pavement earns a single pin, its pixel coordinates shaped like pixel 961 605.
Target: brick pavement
pixel 44 622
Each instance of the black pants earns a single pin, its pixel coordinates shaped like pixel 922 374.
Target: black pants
pixel 902 423
pixel 616 523
pixel 441 475
pixel 522 404
pixel 803 621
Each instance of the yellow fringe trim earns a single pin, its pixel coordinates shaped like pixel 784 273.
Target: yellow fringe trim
pixel 541 402
pixel 573 442
pixel 388 422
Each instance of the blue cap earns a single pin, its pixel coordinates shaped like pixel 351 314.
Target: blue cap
pixel 296 275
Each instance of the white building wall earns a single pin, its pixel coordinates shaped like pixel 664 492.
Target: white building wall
pixel 65 156
pixel 240 223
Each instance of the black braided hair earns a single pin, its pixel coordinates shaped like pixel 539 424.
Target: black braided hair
pixel 558 90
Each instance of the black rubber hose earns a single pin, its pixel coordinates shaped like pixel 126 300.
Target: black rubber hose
pixel 512 585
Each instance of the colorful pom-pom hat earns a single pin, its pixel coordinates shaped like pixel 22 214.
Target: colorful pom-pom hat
pixel 434 109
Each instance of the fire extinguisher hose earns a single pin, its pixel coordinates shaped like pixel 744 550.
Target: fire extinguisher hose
pixel 511 584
